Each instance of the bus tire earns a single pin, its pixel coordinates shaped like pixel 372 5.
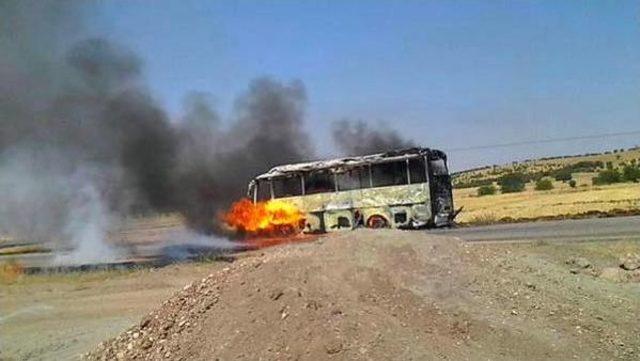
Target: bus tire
pixel 377 221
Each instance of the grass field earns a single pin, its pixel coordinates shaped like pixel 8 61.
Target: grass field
pixel 560 201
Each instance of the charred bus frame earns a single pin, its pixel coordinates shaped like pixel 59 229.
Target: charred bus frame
pixel 408 188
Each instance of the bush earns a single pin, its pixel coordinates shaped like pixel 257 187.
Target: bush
pixel 607 176
pixel 512 182
pixel 472 183
pixel 572 183
pixel 630 174
pixel 544 185
pixel 563 175
pixel 486 190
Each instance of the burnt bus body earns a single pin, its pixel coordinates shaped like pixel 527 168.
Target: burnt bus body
pixel 409 188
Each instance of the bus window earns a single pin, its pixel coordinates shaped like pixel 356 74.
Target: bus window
pixel 264 192
pixel 438 167
pixel 389 174
pixel 319 182
pixel 356 178
pixel 286 186
pixel 417 172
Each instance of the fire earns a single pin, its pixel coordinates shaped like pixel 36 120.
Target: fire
pixel 271 216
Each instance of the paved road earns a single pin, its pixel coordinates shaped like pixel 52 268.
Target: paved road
pixel 566 230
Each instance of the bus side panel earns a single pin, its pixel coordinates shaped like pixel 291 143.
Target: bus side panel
pixel 401 205
pixel 393 195
pixel 413 200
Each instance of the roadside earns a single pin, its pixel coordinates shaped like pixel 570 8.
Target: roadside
pixel 61 315
pixel 574 230
pixel 562 202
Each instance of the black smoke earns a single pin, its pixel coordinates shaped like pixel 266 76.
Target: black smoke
pixel 360 138
pixel 84 145
pixel 215 165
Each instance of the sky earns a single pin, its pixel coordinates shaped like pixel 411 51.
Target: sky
pixel 446 74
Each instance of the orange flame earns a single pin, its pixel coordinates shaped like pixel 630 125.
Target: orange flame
pixel 272 216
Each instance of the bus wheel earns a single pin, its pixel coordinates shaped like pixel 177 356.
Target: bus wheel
pixel 377 221
pixel 287 230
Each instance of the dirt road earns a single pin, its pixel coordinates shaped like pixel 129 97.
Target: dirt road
pixel 60 316
pixel 591 229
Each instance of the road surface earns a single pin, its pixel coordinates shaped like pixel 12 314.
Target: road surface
pixel 618 228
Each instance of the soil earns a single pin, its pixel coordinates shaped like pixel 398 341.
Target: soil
pixel 60 316
pixel 398 295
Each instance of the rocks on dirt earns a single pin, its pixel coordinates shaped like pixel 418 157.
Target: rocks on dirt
pixel 369 296
pixel 579 262
pixel 613 274
pixel 630 262
pixel 333 347
pixel 620 275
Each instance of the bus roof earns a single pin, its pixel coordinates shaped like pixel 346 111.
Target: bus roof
pixel 347 162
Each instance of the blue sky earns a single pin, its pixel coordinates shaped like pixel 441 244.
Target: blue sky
pixel 448 74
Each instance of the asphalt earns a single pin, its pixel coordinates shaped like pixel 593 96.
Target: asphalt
pixel 591 229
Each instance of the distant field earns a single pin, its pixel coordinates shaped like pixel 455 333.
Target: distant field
pixel 560 202
pixel 531 204
pixel 617 159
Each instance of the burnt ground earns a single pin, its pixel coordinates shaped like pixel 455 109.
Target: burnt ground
pixel 381 295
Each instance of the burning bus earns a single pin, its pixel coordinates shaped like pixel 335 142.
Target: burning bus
pixel 408 188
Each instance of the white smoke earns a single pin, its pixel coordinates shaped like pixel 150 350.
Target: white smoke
pixel 88 224
pixel 44 201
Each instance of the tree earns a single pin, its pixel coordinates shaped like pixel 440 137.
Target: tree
pixel 572 183
pixel 512 182
pixel 631 173
pixel 544 184
pixel 486 190
pixel 607 176
pixel 563 175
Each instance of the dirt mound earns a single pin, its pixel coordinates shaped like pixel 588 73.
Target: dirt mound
pixel 381 295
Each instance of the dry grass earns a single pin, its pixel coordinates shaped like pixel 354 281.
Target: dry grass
pixel 28 248
pixel 10 272
pixel 561 201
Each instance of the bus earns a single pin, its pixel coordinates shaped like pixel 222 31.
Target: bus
pixel 409 188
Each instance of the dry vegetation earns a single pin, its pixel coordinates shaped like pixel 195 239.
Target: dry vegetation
pixel 548 164
pixel 562 201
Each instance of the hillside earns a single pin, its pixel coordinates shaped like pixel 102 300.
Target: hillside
pixel 586 163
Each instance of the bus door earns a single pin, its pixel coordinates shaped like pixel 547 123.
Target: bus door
pixel 441 193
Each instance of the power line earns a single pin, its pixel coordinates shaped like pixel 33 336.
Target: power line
pixel 543 141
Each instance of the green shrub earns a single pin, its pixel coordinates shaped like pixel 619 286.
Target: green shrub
pixel 630 174
pixel 544 185
pixel 512 182
pixel 472 183
pixel 607 176
pixel 572 183
pixel 563 175
pixel 486 190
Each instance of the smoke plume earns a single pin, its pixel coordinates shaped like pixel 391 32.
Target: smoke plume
pixel 83 144
pixel 215 165
pixel 360 138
